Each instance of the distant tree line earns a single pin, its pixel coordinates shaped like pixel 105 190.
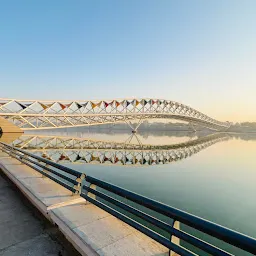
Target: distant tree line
pixel 246 124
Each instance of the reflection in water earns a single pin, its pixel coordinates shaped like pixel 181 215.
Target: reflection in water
pixel 118 135
pixel 79 150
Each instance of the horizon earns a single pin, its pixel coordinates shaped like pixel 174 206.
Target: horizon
pixel 201 54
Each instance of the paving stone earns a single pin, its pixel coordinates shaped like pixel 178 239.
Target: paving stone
pixel 41 245
pixel 20 232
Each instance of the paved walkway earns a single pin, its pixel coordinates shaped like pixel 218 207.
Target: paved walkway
pixel 21 232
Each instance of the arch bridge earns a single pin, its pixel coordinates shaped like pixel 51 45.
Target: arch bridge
pixel 38 114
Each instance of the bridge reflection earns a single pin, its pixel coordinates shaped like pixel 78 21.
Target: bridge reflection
pixel 87 151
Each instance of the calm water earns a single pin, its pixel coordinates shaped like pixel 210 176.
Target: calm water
pixel 217 183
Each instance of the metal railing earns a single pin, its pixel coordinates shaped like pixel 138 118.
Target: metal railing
pixel 68 178
pixel 150 217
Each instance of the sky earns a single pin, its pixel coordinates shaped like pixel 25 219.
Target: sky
pixel 197 52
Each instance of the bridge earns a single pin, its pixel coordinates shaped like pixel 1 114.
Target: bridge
pixel 39 114
pixel 62 149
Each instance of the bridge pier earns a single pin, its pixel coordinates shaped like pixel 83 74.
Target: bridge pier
pixel 191 125
pixel 128 140
pixel 134 128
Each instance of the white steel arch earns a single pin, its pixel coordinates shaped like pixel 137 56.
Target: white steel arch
pixel 38 114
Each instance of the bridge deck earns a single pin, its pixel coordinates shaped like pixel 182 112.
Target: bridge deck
pixel 91 230
pixel 21 233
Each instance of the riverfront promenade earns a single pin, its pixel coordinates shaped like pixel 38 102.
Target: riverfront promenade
pixel 91 230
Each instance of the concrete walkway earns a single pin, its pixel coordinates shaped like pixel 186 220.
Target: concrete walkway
pixel 21 232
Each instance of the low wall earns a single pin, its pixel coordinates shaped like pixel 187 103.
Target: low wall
pixel 8 127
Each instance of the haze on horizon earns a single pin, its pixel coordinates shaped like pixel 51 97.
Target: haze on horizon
pixel 200 53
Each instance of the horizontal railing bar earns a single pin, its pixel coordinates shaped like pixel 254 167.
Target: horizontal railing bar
pixel 48 169
pixel 52 171
pixel 52 178
pixel 19 154
pixel 162 240
pixel 162 225
pixel 46 174
pixel 209 248
pixel 58 166
pixel 229 236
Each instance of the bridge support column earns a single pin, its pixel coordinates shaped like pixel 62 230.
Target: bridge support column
pixel 134 128
pixel 191 125
pixel 127 141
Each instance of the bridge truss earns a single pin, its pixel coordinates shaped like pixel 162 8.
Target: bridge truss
pixel 29 115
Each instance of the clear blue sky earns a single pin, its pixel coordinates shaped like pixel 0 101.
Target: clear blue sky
pixel 199 52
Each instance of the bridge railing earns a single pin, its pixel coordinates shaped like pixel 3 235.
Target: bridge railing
pixel 154 227
pixel 150 217
pixel 68 178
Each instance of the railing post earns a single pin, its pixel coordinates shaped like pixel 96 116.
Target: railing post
pixel 43 176
pixel 78 187
pixel 11 152
pixel 21 158
pixel 91 195
pixel 174 239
